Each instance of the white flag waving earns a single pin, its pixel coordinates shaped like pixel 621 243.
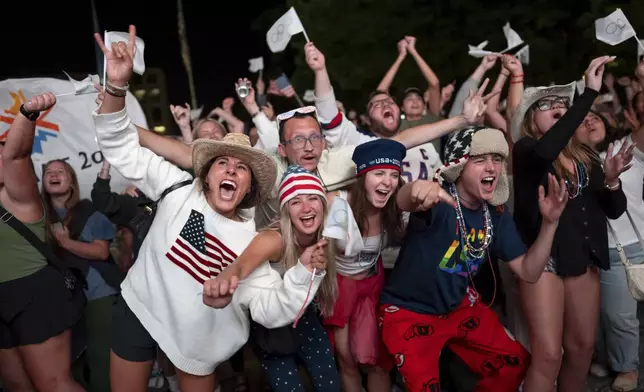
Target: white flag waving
pixel 477 51
pixel 524 55
pixel 66 131
pixel 256 64
pixel 117 36
pixel 512 37
pixel 614 29
pixel 85 86
pixel 280 34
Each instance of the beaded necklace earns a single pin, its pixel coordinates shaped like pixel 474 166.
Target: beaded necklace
pixel 472 252
pixel 574 190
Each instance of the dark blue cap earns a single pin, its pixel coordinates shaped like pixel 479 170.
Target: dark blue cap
pixel 379 154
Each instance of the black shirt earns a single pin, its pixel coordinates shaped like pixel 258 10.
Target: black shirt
pixel 581 238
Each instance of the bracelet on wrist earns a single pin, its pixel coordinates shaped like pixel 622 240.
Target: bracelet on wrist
pixel 613 187
pixel 115 92
pixel 120 88
pixel 517 76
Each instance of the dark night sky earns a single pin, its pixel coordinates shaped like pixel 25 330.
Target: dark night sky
pixel 45 41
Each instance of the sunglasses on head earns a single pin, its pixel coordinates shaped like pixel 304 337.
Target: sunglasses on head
pixel 288 115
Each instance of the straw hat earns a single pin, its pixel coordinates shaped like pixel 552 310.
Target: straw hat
pixel 237 145
pixel 533 94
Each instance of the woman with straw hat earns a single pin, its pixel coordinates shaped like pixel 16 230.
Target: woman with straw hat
pixel 198 230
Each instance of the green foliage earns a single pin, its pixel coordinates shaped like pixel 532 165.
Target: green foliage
pixel 358 38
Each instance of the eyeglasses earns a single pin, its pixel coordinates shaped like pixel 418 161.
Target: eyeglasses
pixel 381 102
pixel 288 115
pixel 298 142
pixel 547 104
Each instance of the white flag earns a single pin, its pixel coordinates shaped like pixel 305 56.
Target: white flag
pixel 280 33
pixel 477 51
pixel 256 64
pixel 195 114
pixel 309 96
pixel 117 36
pixel 67 131
pixel 511 37
pixel 524 55
pixel 85 86
pixel 614 29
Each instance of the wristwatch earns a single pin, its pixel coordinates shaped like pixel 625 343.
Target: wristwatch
pixel 31 116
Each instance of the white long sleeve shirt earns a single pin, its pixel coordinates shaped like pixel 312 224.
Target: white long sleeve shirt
pixel 187 244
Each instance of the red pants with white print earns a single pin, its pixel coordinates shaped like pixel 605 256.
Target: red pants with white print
pixel 471 331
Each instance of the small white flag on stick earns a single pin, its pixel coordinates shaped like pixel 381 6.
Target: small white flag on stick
pixel 256 64
pixel 614 29
pixel 117 36
pixel 279 35
pixel 477 51
pixel 81 87
pixel 512 37
pixel 640 49
pixel 195 114
pixel 524 55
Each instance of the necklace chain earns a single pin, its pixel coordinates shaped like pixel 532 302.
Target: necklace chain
pixel 472 252
pixel 574 190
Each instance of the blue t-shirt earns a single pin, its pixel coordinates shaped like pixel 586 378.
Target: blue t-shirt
pixel 431 273
pixel 97 227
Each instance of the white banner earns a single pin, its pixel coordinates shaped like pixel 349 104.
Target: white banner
pixel 66 131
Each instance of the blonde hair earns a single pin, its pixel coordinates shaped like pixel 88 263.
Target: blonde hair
pixel 291 250
pixel 198 123
pixel 574 150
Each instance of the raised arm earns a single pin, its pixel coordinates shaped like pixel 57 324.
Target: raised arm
pixel 19 193
pixel 181 117
pixel 472 83
pixel 512 65
pixel 385 83
pixel 433 83
pixel 553 142
pixel 473 110
pixel 266 130
pixel 118 137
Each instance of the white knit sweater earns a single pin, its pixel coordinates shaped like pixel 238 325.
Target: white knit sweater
pixel 187 244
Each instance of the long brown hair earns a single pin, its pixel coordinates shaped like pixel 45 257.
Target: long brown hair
pixel 291 250
pixel 51 216
pixel 574 150
pixel 391 216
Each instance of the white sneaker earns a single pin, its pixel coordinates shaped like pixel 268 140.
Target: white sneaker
pixel 598 370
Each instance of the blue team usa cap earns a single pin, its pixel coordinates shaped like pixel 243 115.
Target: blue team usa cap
pixel 379 154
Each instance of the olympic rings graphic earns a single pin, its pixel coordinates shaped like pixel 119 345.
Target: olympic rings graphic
pixel 616 28
pixel 278 34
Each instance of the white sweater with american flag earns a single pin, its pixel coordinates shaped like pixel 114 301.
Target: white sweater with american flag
pixel 187 244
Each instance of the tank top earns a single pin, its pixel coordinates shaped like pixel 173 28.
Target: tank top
pixel 361 261
pixel 18 258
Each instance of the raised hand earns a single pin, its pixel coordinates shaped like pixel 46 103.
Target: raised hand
pixel 512 64
pixel 218 292
pixel 39 103
pixel 181 115
pixel 595 72
pixel 120 58
pixel 250 98
pixel 411 43
pixel 552 206
pixel 314 256
pixel 314 58
pixel 228 104
pixel 474 106
pixel 632 118
pixel 425 194
pixel 488 61
pixel 402 47
pixel 614 165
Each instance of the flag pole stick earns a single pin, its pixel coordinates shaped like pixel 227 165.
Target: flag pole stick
pixel 65 94
pixel 306 36
pixel 639 43
pixel 297 97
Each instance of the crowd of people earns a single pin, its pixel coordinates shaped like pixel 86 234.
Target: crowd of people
pixel 345 250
